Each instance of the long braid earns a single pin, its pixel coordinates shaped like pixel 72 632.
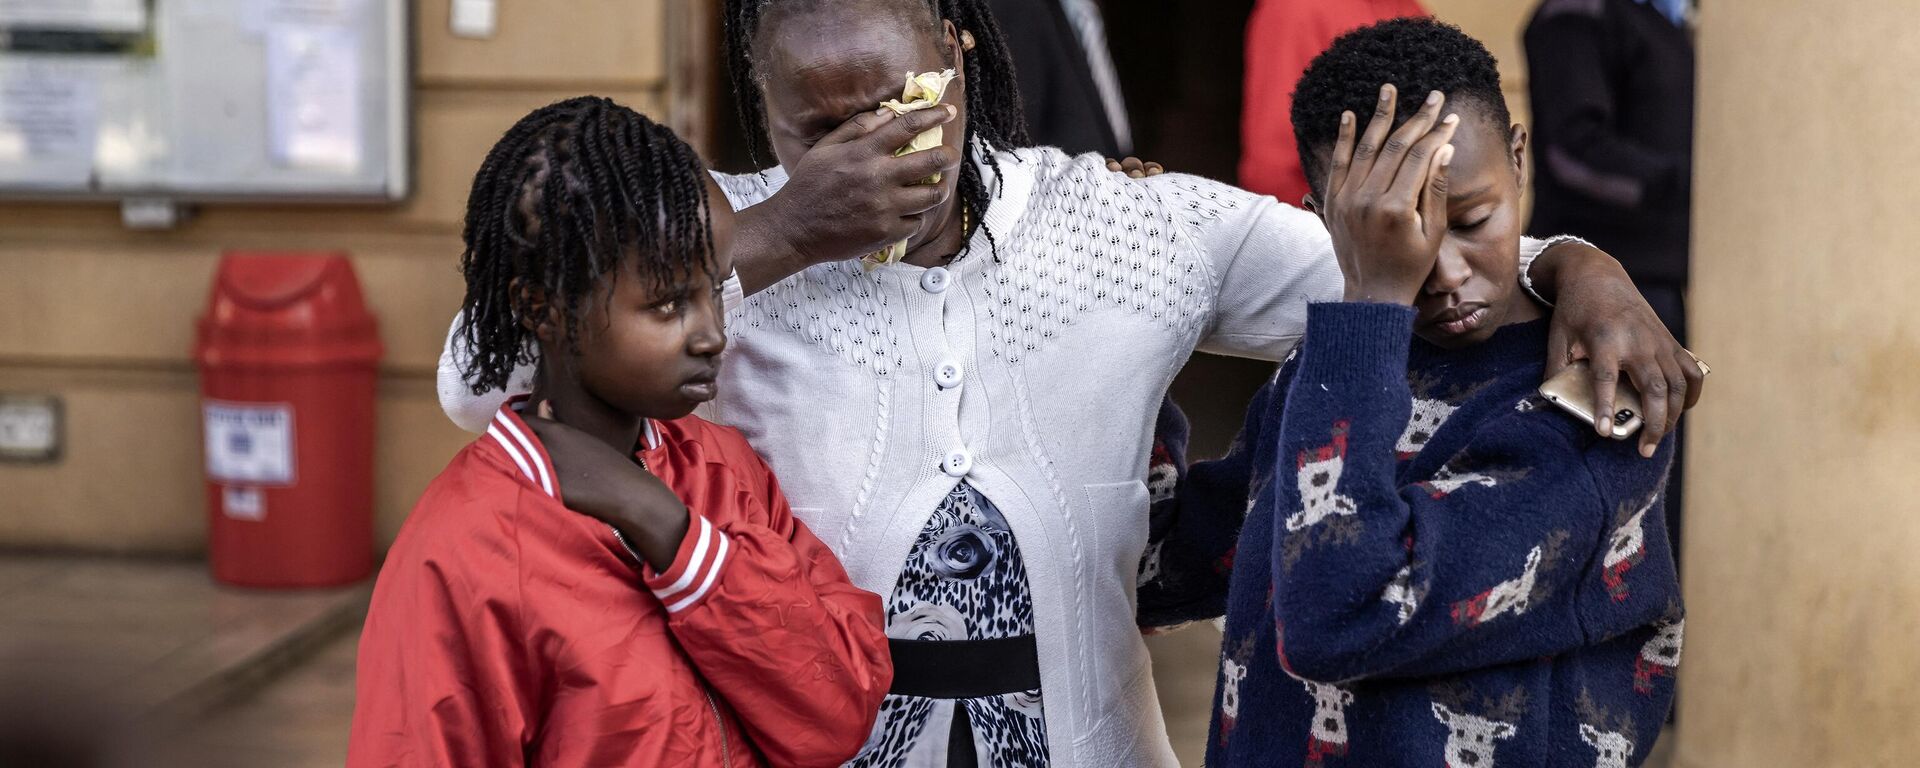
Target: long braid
pixel 569 194
pixel 742 19
pixel 994 113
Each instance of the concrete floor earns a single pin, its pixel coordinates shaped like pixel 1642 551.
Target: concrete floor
pixel 202 676
pixel 1184 664
pixel 103 658
pixel 301 719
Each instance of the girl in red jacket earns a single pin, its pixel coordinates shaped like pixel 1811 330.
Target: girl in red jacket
pixel 604 579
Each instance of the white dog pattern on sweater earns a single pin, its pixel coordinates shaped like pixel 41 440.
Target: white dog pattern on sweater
pixel 1404 594
pixel 1433 403
pixel 1660 656
pixel 1233 669
pixel 1162 481
pixel 1616 750
pixel 1470 738
pixel 1327 737
pixel 1613 737
pixel 1448 480
pixel 1319 479
pixel 1453 476
pixel 1425 421
pixel 1625 549
pixel 1232 673
pixel 1511 596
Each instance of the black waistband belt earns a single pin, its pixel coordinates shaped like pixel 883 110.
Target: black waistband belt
pixel 964 669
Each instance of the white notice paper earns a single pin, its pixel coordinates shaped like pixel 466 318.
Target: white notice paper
pixel 249 443
pixel 313 97
pixel 261 15
pixel 49 121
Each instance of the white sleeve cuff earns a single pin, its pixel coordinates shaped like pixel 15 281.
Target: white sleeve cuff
pixel 730 294
pixel 696 566
pixel 1531 249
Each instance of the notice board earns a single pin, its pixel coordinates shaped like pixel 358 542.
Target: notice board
pixel 205 100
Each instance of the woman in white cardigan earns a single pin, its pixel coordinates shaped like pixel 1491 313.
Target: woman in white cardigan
pixel 969 429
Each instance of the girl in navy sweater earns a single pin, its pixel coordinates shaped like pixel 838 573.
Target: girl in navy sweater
pixel 1436 566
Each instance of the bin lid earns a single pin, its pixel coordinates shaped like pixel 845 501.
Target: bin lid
pixel 308 303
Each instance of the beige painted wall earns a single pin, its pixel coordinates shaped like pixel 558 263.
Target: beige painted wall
pixel 1803 590
pixel 1497 23
pixel 104 317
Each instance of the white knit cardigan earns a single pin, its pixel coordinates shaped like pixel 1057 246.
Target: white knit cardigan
pixel 1032 367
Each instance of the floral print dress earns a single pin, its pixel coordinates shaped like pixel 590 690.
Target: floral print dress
pixel 963 580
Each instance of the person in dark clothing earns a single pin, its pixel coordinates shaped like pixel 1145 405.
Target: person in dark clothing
pixel 1612 88
pixel 1067 82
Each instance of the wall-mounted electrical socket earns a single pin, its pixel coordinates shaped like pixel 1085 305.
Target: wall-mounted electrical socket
pixel 30 427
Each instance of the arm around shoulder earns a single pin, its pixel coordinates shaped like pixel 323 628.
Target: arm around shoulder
pixel 1267 261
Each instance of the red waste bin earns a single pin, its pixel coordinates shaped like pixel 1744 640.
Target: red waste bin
pixel 288 356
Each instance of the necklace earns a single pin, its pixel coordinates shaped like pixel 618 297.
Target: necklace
pixel 966 230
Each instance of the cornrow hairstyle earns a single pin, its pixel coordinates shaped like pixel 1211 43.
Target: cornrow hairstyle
pixel 1418 55
pixel 993 106
pixel 566 197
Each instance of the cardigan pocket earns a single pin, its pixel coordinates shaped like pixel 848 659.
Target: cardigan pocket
pixel 824 526
pixel 1116 514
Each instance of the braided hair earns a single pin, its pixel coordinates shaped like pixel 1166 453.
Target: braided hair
pixel 559 203
pixel 994 112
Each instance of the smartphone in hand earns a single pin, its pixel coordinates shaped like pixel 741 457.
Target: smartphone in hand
pixel 1572 390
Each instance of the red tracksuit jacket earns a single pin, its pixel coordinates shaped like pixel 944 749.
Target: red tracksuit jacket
pixel 1283 37
pixel 507 630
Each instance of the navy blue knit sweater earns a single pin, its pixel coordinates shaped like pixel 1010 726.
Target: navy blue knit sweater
pixel 1438 567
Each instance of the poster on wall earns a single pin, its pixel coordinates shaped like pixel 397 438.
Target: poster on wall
pixel 313 97
pixel 49 122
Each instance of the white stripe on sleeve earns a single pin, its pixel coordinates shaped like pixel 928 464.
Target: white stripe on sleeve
pixel 546 481
pixel 695 563
pixel 512 453
pixel 713 572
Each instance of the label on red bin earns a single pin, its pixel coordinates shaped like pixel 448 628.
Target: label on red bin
pixel 243 503
pixel 249 443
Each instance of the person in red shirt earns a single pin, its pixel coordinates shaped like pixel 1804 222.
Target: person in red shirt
pixel 1283 36
pixel 603 579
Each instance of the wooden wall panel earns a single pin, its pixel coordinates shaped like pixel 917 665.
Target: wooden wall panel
pixel 457 127
pixel 1803 590
pixel 156 292
pixel 130 480
pixel 544 42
